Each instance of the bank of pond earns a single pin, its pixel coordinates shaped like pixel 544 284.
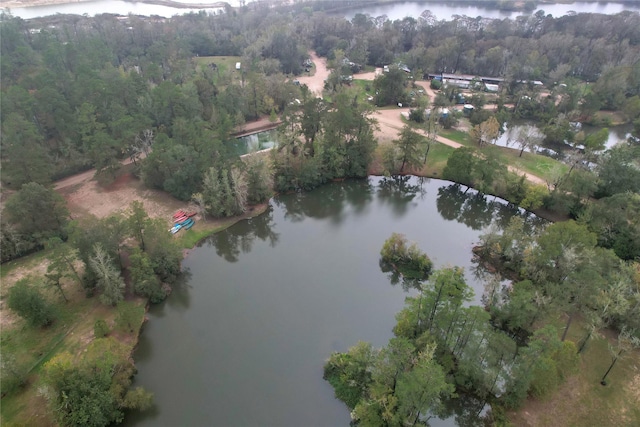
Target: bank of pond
pixel 268 300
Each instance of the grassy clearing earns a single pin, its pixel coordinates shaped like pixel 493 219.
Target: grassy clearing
pixel 365 89
pixel 226 66
pixel 224 63
pixel 458 136
pixel 25 263
pixel 581 400
pixel 535 164
pixel 437 159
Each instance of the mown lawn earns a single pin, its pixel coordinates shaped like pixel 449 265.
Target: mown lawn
pixel 536 164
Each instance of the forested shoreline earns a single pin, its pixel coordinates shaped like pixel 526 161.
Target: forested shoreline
pixel 81 93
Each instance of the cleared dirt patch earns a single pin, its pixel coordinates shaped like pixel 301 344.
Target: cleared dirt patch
pixel 85 196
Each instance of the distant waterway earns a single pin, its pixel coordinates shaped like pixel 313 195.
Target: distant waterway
pixel 394 10
pixel 244 340
pixel 446 10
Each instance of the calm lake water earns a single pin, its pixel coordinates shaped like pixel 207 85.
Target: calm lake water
pixel 442 10
pixel 446 10
pixel 243 342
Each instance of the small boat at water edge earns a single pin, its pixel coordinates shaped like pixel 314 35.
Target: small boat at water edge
pixel 187 224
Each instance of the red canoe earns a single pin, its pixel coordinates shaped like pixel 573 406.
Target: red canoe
pixel 180 219
pixel 178 214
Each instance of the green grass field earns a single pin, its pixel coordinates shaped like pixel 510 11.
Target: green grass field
pixel 536 164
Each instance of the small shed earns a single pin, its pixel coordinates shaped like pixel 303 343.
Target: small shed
pixel 237 66
pixel 467 109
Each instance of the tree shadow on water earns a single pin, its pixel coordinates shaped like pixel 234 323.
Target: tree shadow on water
pixel 239 238
pixel 399 192
pixel 467 207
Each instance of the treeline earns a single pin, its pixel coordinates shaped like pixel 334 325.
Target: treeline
pixel 78 92
pixel 604 196
pixel 498 354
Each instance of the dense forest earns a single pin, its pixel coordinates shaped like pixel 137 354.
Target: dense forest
pixel 80 92
pixel 83 92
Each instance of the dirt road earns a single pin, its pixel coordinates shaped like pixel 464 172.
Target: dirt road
pixel 316 82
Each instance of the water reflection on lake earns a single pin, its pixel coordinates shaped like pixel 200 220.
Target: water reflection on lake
pixel 269 299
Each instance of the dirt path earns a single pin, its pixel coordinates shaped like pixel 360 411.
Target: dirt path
pixel 368 76
pixel 316 82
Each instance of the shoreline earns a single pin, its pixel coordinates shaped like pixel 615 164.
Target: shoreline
pixel 13 4
pixel 25 4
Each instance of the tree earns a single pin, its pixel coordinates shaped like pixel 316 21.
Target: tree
pixel 137 221
pixel 486 171
pixel 164 253
pixel 144 279
pixel 626 341
pixel 53 279
pixel 565 262
pixel 405 259
pixel 27 301
pixel 411 148
pixel 390 87
pixel 221 197
pixel 24 159
pixel 528 138
pixel 350 373
pixel 108 277
pixel 460 165
pixel 62 258
pixel 37 211
pixel 404 385
pixel 92 391
pixel 485 132
pixel 619 170
pixel 259 179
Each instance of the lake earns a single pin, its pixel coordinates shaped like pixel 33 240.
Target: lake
pixel 244 340
pixel 446 10
pixel 398 10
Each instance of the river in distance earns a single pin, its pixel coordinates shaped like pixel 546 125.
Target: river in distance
pixel 394 10
pixel 264 304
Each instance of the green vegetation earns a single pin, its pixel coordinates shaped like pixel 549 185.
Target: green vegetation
pixel 27 302
pixel 85 93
